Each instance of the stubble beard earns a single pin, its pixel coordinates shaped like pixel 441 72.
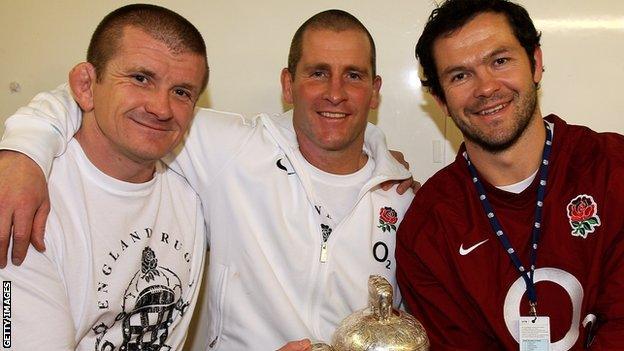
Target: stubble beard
pixel 498 143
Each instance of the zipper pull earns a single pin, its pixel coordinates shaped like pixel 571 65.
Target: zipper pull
pixel 323 252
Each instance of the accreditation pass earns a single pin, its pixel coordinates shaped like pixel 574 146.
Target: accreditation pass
pixel 534 334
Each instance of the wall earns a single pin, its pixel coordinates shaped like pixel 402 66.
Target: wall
pixel 248 43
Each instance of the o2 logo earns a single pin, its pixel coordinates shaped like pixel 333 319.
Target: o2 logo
pixel 568 282
pixel 381 253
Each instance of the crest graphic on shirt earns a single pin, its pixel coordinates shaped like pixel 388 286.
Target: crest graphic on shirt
pixel 387 219
pixel 583 215
pixel 325 231
pixel 152 300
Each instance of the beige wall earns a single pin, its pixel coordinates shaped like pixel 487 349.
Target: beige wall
pixel 248 42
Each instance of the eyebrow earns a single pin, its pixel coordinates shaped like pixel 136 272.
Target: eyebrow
pixel 327 67
pixel 153 75
pixel 486 58
pixel 315 66
pixel 142 70
pixel 188 86
pixel 496 52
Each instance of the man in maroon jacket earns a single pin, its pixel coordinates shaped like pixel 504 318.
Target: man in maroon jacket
pixel 527 222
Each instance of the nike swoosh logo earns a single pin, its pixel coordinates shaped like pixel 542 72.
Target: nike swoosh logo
pixel 464 252
pixel 282 167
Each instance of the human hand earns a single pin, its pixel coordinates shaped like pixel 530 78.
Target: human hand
pixel 300 345
pixel 24 205
pixel 403 184
pixel 398 155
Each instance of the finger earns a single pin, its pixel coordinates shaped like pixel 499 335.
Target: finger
pixel 304 345
pixel 398 155
pixel 22 226
pixel 38 229
pixel 404 185
pixel 300 345
pixel 387 184
pixel 416 186
pixel 5 236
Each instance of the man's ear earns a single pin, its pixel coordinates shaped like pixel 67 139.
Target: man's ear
pixel 376 97
pixel 82 79
pixel 287 81
pixel 539 65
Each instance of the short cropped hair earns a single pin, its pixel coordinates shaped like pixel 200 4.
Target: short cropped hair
pixel 335 20
pixel 160 23
pixel 453 14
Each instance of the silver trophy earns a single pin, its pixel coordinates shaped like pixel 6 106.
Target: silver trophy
pixel 379 327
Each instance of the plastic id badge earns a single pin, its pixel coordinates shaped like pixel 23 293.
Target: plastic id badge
pixel 534 334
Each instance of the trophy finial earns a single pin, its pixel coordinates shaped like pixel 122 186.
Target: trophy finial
pixel 380 297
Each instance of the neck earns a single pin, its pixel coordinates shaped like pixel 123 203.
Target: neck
pixel 110 158
pixel 336 162
pixel 514 164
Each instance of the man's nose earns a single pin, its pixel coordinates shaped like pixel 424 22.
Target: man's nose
pixel 487 85
pixel 159 104
pixel 336 92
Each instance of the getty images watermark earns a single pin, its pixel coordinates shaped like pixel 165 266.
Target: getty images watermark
pixel 6 314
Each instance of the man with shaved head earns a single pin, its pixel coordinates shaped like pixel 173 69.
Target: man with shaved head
pixel 125 236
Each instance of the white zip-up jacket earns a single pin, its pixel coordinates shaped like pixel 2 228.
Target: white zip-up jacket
pixel 266 280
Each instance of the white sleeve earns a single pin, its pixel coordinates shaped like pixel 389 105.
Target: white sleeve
pixel 42 128
pixel 40 316
pixel 213 140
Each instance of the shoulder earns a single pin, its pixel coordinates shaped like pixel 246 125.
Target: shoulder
pixel 206 117
pixel 216 134
pixel 442 210
pixel 213 127
pixel 586 147
pixel 445 187
pixel 440 202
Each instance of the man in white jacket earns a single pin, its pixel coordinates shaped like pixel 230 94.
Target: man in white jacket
pixel 296 216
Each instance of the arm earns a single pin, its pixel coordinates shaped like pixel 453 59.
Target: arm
pixel 21 206
pixel 40 131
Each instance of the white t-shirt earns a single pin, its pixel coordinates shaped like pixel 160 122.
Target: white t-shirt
pixel 122 267
pixel 338 192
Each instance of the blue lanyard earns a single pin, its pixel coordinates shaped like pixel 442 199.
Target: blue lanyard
pixel 498 229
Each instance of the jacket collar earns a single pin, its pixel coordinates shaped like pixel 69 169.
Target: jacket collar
pixel 386 166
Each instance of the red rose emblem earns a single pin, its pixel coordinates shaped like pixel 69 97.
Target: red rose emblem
pixel 388 215
pixel 387 219
pixel 581 209
pixel 583 215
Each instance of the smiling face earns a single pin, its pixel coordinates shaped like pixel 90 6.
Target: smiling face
pixel 144 100
pixel 488 82
pixel 332 91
